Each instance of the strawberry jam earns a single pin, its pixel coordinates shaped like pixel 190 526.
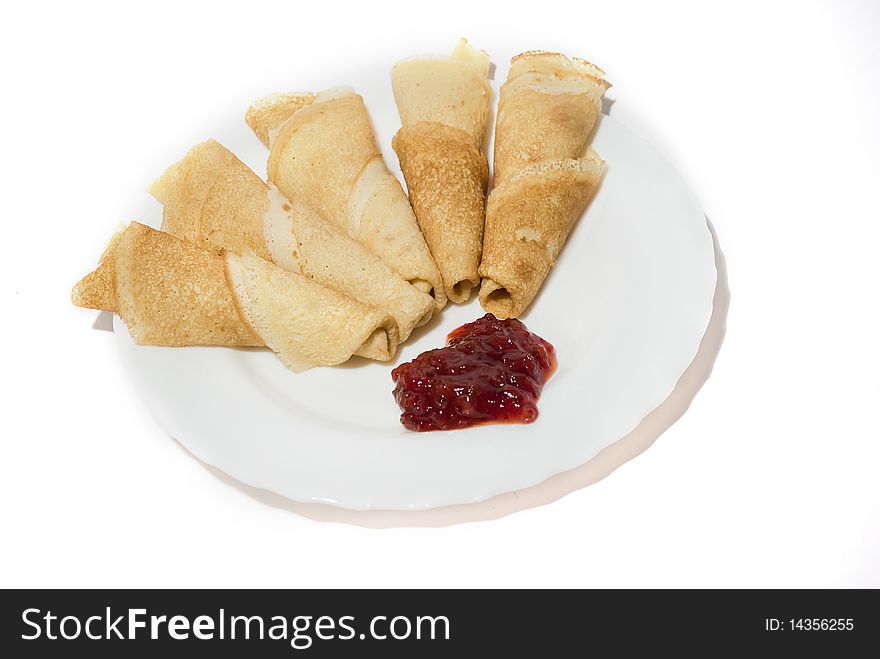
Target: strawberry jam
pixel 490 371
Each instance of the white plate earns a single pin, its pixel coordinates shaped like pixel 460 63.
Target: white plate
pixel 625 307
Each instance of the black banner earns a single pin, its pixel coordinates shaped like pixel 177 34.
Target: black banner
pixel 319 623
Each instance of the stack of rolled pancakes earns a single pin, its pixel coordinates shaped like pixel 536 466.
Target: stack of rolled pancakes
pixel 330 258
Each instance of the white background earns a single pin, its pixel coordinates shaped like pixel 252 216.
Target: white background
pixel 769 110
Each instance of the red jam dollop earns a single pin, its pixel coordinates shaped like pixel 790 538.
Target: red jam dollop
pixel 490 371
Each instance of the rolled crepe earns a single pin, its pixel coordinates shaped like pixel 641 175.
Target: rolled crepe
pixel 171 293
pixel 213 199
pixel 444 111
pixel 323 153
pixel 545 174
